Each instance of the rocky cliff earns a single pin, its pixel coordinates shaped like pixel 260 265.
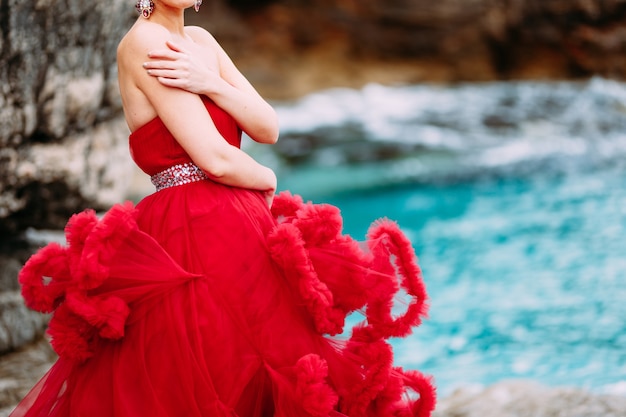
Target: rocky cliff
pixel 62 141
pixel 62 137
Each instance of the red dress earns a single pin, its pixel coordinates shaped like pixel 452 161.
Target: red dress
pixel 201 302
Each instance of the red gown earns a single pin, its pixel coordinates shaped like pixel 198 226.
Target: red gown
pixel 201 302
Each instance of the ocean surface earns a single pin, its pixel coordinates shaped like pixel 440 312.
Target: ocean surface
pixel 514 196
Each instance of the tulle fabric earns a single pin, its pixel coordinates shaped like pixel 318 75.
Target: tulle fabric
pixel 200 301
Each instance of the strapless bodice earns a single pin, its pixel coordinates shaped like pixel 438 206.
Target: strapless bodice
pixel 154 149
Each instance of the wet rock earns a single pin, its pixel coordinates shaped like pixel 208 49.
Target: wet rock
pixel 339 145
pixel 529 399
pixel 18 325
pixel 20 370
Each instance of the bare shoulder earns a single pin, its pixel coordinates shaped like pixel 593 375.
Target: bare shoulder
pixel 140 39
pixel 201 35
pixel 137 88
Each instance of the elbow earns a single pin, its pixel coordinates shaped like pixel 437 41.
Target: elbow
pixel 216 171
pixel 275 130
pixel 216 167
pixel 266 128
pixel 269 133
pixel 271 136
pixel 268 137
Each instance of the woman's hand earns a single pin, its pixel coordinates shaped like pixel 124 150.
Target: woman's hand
pixel 181 68
pixel 201 66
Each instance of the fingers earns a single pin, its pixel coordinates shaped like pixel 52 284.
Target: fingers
pixel 166 65
pixel 167 73
pixel 167 60
pixel 170 78
pixel 175 47
pixel 172 82
pixel 173 52
pixel 165 54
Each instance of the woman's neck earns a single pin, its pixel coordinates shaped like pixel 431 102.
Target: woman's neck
pixel 170 18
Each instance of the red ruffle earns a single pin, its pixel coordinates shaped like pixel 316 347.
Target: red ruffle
pixel 102 243
pixel 312 390
pixel 366 280
pixel 329 273
pixel 57 280
pixel 77 229
pixel 45 278
pixel 71 336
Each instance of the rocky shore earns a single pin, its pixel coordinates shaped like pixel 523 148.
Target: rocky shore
pixel 21 369
pixel 529 399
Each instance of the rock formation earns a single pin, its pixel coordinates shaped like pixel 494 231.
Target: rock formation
pixel 302 45
pixel 62 141
pixel 529 399
pixel 18 325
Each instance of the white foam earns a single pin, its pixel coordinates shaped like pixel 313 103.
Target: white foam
pixel 489 125
pixel 618 388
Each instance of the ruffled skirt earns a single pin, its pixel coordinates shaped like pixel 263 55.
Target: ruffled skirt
pixel 202 302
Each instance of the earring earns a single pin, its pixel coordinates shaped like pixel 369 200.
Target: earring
pixel 145 7
pixel 196 5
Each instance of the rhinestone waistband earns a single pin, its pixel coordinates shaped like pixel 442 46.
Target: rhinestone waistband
pixel 178 175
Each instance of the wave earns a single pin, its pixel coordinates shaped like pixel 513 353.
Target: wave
pixel 432 132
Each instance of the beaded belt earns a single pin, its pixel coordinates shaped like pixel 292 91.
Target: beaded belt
pixel 178 175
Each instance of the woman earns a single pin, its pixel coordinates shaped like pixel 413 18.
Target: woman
pixel 201 300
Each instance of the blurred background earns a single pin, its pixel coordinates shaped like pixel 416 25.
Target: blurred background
pixel 493 131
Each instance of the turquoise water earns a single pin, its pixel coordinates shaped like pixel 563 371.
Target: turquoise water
pixel 526 276
pixel 516 207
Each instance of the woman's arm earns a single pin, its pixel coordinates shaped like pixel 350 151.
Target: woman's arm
pixel 220 80
pixel 185 116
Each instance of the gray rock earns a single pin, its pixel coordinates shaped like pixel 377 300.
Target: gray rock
pixel 20 370
pixel 18 324
pixel 50 181
pixel 529 399
pixel 62 137
pixel 10 265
